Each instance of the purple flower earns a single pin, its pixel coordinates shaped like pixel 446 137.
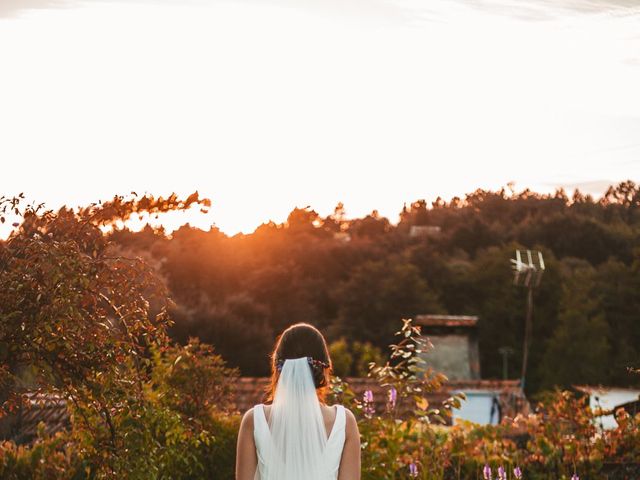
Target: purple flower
pixel 486 472
pixel 575 477
pixel 502 475
pixel 368 396
pixel 393 398
pixel 517 473
pixel 413 470
pixel 368 407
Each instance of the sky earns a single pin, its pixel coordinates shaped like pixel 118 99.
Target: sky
pixel 265 105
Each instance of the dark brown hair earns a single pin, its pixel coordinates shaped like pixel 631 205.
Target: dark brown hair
pixel 302 340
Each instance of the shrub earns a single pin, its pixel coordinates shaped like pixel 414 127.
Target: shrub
pixel 557 441
pixel 49 458
pixel 174 432
pixel 352 359
pixel 218 456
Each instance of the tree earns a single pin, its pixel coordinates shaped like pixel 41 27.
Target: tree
pixel 303 220
pixel 371 226
pixel 571 235
pixel 78 316
pixel 228 288
pixel 416 214
pixel 623 199
pixel 379 293
pixel 337 221
pixel 238 327
pixel 619 287
pixel 353 359
pixel 578 349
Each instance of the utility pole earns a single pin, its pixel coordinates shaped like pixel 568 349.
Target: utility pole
pixel 528 268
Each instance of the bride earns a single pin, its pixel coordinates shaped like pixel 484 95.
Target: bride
pixel 297 436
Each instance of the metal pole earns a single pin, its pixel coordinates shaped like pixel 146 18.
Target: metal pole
pixel 505 367
pixel 527 335
pixel 505 352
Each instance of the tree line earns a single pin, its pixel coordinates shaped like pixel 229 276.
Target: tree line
pixel 356 278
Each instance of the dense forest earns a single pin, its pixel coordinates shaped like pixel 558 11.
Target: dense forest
pixel 356 278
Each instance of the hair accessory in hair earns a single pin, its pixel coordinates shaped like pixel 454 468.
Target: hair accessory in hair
pixel 313 363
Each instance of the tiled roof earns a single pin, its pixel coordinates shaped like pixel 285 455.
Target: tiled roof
pixel 250 392
pixel 603 389
pixel 446 320
pixel 48 408
pixel 51 409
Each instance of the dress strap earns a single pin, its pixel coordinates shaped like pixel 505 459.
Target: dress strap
pixel 258 412
pixel 339 425
pixel 260 425
pixel 341 414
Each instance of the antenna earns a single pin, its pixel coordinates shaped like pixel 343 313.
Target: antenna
pixel 506 352
pixel 528 267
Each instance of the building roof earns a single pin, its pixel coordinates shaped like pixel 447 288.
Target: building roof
pixel 446 320
pixel 250 391
pixel 424 230
pixel 603 390
pixel 605 401
pixel 50 409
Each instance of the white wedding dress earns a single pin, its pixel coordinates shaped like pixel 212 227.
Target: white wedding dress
pixel 293 444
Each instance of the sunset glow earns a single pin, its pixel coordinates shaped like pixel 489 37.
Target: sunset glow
pixel 265 106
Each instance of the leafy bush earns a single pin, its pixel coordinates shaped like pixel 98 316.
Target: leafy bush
pixel 171 432
pixel 56 458
pixel 352 359
pixel 218 456
pixel 557 441
pixel 192 380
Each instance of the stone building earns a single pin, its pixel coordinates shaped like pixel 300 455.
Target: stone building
pixel 456 354
pixel 455 342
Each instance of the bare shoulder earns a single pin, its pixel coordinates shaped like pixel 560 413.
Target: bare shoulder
pixel 247 420
pixel 350 417
pixel 351 427
pixel 246 458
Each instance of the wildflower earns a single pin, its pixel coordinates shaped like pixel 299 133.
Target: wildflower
pixel 517 473
pixel 502 475
pixel 575 477
pixel 486 472
pixel 368 396
pixel 368 407
pixel 413 470
pixel 393 398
